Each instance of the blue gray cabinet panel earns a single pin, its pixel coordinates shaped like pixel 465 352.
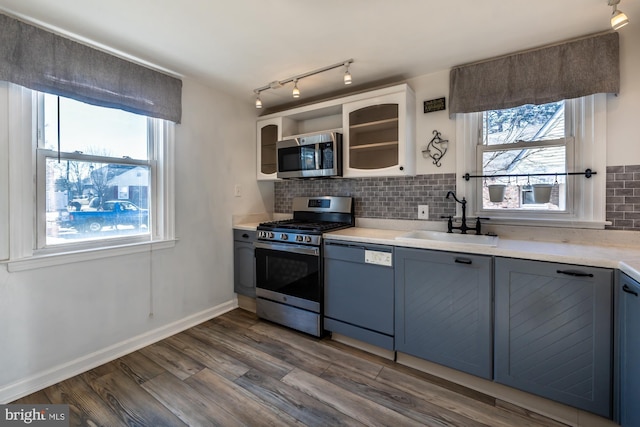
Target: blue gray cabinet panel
pixel 443 308
pixel 553 331
pixel 629 346
pixel 358 295
pixel 244 269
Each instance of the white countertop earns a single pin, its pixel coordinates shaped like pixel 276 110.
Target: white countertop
pixel 248 226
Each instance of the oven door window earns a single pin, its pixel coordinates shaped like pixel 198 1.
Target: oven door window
pixel 292 159
pixel 289 273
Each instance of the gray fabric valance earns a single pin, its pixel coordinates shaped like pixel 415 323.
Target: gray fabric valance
pixel 43 61
pixel 562 71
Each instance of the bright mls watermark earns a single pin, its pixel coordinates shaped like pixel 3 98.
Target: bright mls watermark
pixel 34 415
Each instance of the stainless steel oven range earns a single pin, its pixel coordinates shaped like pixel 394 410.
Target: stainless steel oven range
pixel 289 278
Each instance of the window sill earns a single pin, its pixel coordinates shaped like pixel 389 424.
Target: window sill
pixel 50 260
pixel 542 222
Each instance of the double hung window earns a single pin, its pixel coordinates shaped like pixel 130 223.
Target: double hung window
pixel 82 179
pixel 526 152
pixel 524 155
pixel 94 170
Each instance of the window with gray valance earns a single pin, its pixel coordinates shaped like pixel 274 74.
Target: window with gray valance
pixel 43 61
pixel 562 71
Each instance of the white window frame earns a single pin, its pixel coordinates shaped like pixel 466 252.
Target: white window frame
pixel 26 215
pixel 585 124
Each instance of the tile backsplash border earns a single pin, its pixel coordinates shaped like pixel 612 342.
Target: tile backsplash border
pixel 399 197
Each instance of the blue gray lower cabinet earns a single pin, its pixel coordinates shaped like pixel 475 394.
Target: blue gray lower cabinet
pixel 629 328
pixel 444 308
pixel 553 331
pixel 244 268
pixel 358 296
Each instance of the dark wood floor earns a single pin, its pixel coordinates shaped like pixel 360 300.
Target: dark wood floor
pixel 238 370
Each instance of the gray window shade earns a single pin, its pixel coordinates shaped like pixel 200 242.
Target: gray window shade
pixel 43 61
pixel 562 71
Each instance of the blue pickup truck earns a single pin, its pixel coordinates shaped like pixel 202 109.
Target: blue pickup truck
pixel 109 214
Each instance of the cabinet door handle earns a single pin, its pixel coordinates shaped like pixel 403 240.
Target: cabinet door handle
pixel 574 273
pixel 628 290
pixel 245 236
pixel 464 261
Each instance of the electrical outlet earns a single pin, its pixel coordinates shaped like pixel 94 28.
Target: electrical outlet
pixel 423 211
pixel 237 190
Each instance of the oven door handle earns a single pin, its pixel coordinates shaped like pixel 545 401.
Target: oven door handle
pixel 305 250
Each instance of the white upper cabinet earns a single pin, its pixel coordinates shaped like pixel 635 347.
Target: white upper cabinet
pixel 269 132
pixel 379 134
pixel 378 130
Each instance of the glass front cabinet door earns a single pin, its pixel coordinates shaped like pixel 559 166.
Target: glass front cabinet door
pixel 379 135
pixel 269 131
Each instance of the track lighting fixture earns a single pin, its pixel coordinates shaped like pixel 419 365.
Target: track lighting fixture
pixel 258 101
pixel 347 74
pixel 296 92
pixel 618 17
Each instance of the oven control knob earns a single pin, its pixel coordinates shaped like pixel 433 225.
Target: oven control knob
pixel 307 239
pixel 299 238
pixel 284 237
pixel 270 234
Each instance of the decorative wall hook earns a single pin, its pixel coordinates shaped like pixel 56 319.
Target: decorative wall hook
pixel 437 148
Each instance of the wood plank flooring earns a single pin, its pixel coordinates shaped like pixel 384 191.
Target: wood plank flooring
pixel 237 370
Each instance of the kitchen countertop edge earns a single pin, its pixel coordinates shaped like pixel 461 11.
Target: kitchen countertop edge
pixel 625 259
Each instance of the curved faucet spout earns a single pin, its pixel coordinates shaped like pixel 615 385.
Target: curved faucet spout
pixel 451 193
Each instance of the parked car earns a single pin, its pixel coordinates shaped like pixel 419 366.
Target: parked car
pixel 111 213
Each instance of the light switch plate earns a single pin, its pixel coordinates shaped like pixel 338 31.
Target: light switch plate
pixel 423 211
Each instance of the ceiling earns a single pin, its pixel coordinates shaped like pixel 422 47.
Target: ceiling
pixel 241 45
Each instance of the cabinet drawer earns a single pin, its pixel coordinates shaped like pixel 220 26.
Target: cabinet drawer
pixel 244 235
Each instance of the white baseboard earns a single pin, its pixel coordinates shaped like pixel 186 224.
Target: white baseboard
pixel 40 380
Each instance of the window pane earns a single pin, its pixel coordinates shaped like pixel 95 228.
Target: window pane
pixel 88 200
pixel 524 123
pixel 94 130
pixel 519 191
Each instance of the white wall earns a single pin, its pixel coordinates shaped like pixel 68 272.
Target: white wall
pixel 623 123
pixel 623 119
pixel 60 319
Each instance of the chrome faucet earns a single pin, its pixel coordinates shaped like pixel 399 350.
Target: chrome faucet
pixel 463 224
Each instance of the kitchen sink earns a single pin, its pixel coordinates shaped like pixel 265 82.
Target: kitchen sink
pixel 439 236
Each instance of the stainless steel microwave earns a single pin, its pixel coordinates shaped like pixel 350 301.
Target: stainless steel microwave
pixel 316 155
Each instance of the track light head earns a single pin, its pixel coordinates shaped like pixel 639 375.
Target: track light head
pixel 618 18
pixel 296 92
pixel 258 101
pixel 347 74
